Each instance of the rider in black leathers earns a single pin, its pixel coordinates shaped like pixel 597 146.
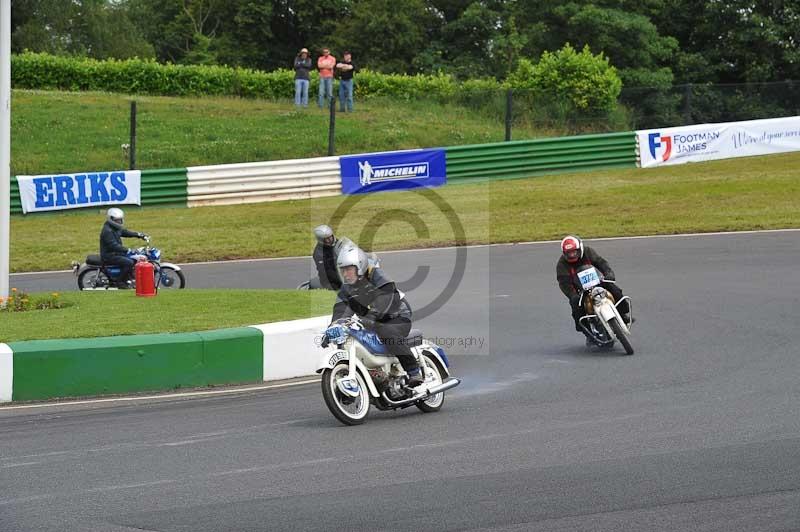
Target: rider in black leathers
pixel 370 293
pixel 574 255
pixel 324 256
pixel 112 252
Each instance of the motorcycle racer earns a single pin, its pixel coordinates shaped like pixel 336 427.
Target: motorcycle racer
pixel 367 291
pixel 574 254
pixel 324 255
pixel 112 252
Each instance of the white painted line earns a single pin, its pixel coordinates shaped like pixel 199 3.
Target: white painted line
pixel 6 372
pixel 162 396
pixel 47 272
pixel 417 250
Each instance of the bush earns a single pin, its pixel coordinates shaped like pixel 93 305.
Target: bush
pixel 585 83
pixel 136 76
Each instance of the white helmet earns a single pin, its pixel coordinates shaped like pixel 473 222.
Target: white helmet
pixel 115 216
pixel 352 256
pixel 322 233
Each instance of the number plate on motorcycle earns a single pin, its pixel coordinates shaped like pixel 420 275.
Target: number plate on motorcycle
pixel 337 357
pixel 589 278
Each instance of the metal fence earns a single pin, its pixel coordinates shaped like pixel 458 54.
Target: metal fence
pixel 653 107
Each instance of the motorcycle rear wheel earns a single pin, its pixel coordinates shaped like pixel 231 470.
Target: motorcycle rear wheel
pixel 432 403
pixel 92 278
pixel 623 338
pixel 350 411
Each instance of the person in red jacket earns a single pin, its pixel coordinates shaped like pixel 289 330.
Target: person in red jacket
pixel 325 64
pixel 574 255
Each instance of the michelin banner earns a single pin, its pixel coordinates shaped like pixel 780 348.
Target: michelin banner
pixel 706 142
pixel 400 170
pixel 72 191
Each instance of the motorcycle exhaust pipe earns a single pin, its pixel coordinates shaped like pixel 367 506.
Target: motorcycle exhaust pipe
pixel 443 387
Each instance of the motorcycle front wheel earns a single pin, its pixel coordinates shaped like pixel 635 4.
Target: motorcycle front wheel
pixel 91 279
pixel 348 410
pixel 623 338
pixel 171 278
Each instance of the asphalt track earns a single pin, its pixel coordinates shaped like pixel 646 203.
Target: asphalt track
pixel 699 430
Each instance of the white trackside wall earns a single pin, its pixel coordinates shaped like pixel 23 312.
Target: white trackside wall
pixel 6 372
pixel 707 142
pixel 291 348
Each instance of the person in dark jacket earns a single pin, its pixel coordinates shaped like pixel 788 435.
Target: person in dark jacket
pixel 574 255
pixel 112 252
pixel 370 293
pixel 345 70
pixel 302 66
pixel 324 255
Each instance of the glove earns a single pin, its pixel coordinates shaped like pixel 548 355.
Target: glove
pixel 143 236
pixel 574 300
pixel 368 322
pixel 325 341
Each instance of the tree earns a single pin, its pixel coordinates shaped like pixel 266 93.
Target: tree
pixel 385 35
pixel 94 28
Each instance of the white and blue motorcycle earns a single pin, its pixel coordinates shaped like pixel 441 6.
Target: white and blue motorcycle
pixel 360 372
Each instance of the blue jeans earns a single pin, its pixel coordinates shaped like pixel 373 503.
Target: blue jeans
pixel 325 90
pixel 346 94
pixel 301 92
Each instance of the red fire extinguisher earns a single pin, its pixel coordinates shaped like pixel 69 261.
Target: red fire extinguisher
pixel 145 279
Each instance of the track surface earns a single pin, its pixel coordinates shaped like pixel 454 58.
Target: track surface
pixel 699 430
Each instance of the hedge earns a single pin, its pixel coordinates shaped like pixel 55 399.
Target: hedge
pixel 136 76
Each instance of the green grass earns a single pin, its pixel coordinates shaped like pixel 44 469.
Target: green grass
pixel 73 132
pixel 92 314
pixel 736 194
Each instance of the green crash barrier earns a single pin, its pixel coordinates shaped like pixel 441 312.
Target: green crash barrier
pixel 45 369
pixel 527 158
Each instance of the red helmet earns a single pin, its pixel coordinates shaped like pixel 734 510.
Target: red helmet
pixel 572 248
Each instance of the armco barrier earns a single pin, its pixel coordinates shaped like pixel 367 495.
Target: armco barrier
pixel 257 182
pixel 159 187
pixel 263 181
pixel 526 158
pixel 164 187
pixel 47 369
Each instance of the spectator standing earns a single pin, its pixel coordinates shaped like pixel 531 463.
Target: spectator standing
pixel 325 64
pixel 346 68
pixel 302 66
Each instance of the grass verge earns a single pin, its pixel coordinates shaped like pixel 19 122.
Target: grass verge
pixel 73 132
pixel 730 195
pixel 93 314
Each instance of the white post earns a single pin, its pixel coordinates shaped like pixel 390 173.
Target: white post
pixel 5 143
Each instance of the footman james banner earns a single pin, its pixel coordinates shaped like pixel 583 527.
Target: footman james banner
pixel 373 172
pixel 706 142
pixel 73 191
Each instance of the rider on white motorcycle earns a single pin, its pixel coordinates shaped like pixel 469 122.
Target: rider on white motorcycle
pixel 574 255
pixel 367 291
